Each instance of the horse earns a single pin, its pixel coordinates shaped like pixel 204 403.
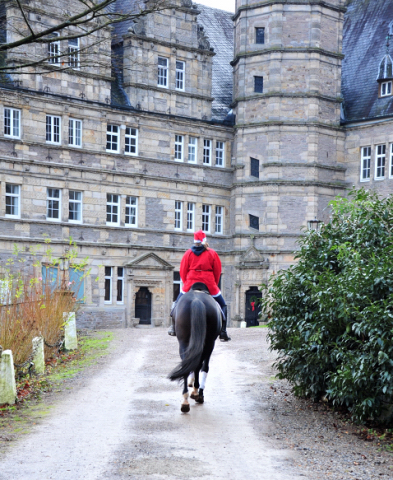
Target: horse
pixel 198 323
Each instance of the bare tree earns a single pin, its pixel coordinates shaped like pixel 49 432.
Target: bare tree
pixel 66 34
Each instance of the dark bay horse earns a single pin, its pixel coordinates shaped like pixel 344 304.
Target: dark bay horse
pixel 198 324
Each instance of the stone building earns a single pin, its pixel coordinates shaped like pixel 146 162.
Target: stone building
pixel 243 125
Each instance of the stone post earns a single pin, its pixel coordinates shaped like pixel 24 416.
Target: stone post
pixel 39 358
pixel 7 379
pixel 70 338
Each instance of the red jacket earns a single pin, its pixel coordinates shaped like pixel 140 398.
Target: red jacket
pixel 205 268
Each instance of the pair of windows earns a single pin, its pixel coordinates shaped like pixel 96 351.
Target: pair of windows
pixel 55 55
pixel 193 151
pixel 162 73
pixel 113 140
pixel 53 205
pixel 53 277
pixel 113 209
pixel 381 162
pixel 206 218
pixel 386 89
pixel 109 281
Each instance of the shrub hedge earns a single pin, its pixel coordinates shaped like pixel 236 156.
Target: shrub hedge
pixel 331 314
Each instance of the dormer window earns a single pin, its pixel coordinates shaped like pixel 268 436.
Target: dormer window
pixel 386 89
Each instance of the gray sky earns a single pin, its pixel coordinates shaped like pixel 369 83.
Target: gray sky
pixel 228 5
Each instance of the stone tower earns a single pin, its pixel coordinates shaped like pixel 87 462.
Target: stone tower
pixel 289 143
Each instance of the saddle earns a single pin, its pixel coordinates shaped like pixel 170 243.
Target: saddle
pixel 200 287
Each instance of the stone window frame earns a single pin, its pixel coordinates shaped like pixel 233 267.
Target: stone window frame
pixel 131 211
pixel 14 114
pixel 253 222
pixel 73 132
pixel 206 218
pixel 162 72
pixel 380 162
pixel 192 149
pixel 391 161
pixel 178 215
pixel 110 204
pixel 258 84
pixel 219 220
pixel 259 37
pixel 53 50
pixel 365 164
pixel 131 141
pixel 386 89
pixel 108 285
pixel 111 134
pixel 191 208
pixel 207 151
pixel 53 129
pixel 12 196
pixel 180 76
pixel 179 148
pixel 51 201
pixel 73 53
pixel 120 281
pixel 254 167
pixel 75 202
pixel 220 154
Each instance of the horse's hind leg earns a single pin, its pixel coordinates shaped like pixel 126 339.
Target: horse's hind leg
pixel 191 379
pixel 185 406
pixel 194 394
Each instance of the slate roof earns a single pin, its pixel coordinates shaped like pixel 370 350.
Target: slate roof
pixel 366 27
pixel 218 26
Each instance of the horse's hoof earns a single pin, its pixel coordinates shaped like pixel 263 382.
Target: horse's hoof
pixel 185 408
pixel 200 399
pixel 194 396
pixel 191 385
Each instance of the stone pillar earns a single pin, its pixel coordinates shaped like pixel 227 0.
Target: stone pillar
pixel 39 358
pixel 7 379
pixel 70 338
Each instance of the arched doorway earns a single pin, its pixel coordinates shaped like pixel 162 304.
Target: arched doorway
pixel 143 306
pixel 252 307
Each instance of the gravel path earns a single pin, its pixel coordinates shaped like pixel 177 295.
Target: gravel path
pixel 122 420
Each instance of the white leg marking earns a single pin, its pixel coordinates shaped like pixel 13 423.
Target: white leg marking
pixel 203 380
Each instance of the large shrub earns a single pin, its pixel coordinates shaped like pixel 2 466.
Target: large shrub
pixel 331 314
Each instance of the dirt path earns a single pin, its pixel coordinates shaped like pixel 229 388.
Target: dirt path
pixel 124 421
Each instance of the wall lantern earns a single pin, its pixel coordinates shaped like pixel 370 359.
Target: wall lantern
pixel 314 224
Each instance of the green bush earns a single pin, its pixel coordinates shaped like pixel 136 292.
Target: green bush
pixel 331 314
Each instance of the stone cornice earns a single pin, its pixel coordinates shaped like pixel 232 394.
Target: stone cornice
pixel 269 3
pixel 169 91
pixel 280 182
pixel 281 123
pixel 270 50
pixel 286 95
pixel 322 166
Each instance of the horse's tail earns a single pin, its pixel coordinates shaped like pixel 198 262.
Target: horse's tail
pixel 195 347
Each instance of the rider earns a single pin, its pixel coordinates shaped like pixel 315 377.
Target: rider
pixel 202 264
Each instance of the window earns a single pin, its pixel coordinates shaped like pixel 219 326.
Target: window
pixel 75 206
pixel 219 220
pixel 112 209
pixel 73 53
pixel 219 154
pixel 54 50
pixel 254 222
pixel 190 217
pixel 380 161
pixel 206 218
pixel 12 122
pixel 179 147
pixel 131 141
pixel 176 285
pixel 180 67
pixel 12 200
pixel 77 281
pixel 386 89
pixel 108 285
pixel 112 138
pixel 162 80
pixel 192 149
pixel 131 211
pixel 260 35
pixel 52 129
pixel 391 160
pixel 53 199
pixel 120 285
pixel 207 152
pixel 255 167
pixel 178 215
pixel 258 84
pixel 75 132
pixel 366 164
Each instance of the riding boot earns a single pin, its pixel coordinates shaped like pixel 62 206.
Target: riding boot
pixel 171 329
pixel 223 335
